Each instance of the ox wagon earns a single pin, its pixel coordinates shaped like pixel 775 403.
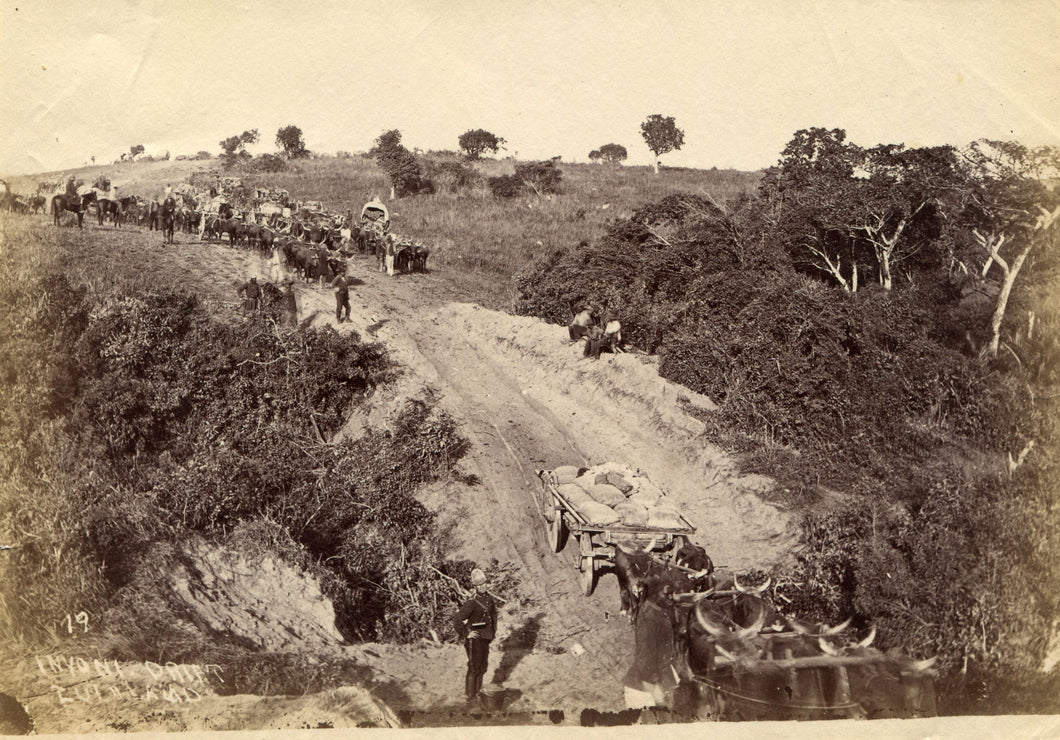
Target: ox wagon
pixel 375 216
pixel 596 542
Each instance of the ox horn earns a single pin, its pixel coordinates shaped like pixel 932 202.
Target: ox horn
pixel 713 629
pixel 826 647
pixel 869 638
pixel 923 665
pixel 651 545
pixel 838 628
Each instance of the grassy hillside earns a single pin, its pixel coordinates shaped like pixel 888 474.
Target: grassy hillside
pixel 479 241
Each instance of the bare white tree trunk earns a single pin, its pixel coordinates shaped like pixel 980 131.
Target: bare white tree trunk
pixel 832 267
pixel 1002 297
pixel 992 243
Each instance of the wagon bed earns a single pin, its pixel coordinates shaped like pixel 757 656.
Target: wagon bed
pixel 596 541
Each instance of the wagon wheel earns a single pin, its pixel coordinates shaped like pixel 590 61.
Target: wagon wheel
pixel 588 574
pixel 557 531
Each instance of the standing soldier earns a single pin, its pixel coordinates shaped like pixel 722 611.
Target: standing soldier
pixel 251 293
pixel 341 284
pixel 476 624
pixel 290 305
pixel 391 254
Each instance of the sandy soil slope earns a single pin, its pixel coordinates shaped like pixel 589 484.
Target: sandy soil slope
pixel 526 399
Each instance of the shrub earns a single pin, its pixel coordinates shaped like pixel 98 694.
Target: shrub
pixel 188 425
pixel 867 394
pixel 452 177
pixel 267 163
pixel 505 186
pixel 541 177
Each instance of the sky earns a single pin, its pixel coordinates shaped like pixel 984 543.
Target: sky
pixel 552 77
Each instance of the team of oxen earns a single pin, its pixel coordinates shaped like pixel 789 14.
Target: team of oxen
pixel 739 657
pixel 317 248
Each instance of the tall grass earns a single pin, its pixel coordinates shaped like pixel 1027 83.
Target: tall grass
pixel 477 242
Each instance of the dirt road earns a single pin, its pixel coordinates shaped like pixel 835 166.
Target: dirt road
pixel 525 398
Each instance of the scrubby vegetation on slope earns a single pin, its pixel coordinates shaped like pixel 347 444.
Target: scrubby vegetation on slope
pixel 886 391
pixel 132 419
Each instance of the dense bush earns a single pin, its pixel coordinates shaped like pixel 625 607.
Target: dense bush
pixel 451 177
pixel 166 422
pixel 541 177
pixel 505 186
pixel 879 395
pixel 267 163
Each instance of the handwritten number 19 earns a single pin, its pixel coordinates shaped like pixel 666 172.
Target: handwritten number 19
pixel 80 618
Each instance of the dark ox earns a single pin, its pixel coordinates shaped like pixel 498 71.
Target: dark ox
pixel 886 684
pixel 634 567
pixel 411 258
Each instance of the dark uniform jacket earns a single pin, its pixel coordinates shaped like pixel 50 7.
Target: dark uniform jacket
pixel 476 617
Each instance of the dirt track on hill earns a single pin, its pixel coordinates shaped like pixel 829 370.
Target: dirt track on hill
pixel 525 398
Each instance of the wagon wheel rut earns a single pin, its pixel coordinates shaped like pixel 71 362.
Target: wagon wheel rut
pixel 510 435
pixel 525 399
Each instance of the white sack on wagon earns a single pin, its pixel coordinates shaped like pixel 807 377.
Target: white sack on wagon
pixel 597 513
pixel 664 519
pixel 607 495
pixel 586 480
pixel 575 494
pixel 612 467
pixel 632 515
pixel 667 504
pixel 615 479
pixel 566 473
pixel 645 497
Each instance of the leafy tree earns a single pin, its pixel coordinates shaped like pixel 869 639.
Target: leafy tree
pixel 595 155
pixel 399 164
pixel 289 139
pixel 662 135
pixel 136 150
pixel 1012 212
pixel 234 148
pixel 843 209
pixel 613 153
pixel 475 142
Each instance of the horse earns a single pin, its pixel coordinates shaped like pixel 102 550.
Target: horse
pixel 105 206
pixel 167 214
pixel 73 203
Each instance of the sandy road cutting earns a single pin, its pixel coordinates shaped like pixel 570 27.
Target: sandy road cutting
pixel 525 398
